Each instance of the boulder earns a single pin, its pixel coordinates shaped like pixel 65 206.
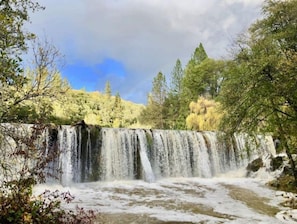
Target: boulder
pixel 276 162
pixel 255 165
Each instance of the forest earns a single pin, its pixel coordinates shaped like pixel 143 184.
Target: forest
pixel 253 91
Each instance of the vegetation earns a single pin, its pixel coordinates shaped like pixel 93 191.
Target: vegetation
pixel 204 115
pixel 254 91
pixel 23 96
pixel 153 113
pixel 200 80
pixel 259 91
pixel 95 108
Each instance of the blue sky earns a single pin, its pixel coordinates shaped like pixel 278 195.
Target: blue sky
pixel 127 42
pixel 91 77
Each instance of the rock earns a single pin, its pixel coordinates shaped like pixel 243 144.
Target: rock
pixel 81 123
pixel 276 162
pixel 288 216
pixel 255 165
pixel 287 171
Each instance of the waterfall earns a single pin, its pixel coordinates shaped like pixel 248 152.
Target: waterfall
pixel 106 154
pixel 67 144
pixel 146 165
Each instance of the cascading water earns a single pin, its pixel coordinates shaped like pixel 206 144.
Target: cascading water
pixel 89 154
pixel 94 162
pixel 92 154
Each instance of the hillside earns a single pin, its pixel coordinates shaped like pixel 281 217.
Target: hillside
pixel 96 108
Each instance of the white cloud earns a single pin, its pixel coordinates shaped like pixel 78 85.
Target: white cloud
pixel 146 35
pixel 245 2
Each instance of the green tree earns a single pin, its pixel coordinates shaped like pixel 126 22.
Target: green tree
pixel 107 89
pixel 199 55
pixel 209 77
pixel 117 115
pixel 41 84
pixel 25 149
pixel 13 15
pixel 204 79
pixel 190 89
pixel 153 114
pixel 177 75
pixel 259 92
pixel 173 100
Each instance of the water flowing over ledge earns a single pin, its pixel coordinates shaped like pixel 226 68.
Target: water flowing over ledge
pixel 107 154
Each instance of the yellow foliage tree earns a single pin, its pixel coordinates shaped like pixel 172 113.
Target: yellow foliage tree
pixel 204 115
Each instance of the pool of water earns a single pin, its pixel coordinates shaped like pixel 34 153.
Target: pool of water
pixel 177 200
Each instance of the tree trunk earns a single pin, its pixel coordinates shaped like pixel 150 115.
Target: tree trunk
pixel 292 163
pixel 284 142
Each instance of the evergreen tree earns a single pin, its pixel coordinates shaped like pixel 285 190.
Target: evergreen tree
pixel 173 100
pixel 177 75
pixel 153 114
pixel 199 55
pixel 206 78
pixel 190 90
pixel 107 89
pixel 117 115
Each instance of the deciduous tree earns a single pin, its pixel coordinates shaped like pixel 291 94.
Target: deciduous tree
pixel 259 93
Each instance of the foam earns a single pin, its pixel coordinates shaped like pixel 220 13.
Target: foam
pixel 174 199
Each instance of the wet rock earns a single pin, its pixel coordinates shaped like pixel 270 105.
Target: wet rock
pixel 81 123
pixel 288 216
pixel 255 165
pixel 287 171
pixel 276 162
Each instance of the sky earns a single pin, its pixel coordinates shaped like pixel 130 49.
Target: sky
pixel 127 42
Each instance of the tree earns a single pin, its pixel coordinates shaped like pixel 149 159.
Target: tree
pixel 40 85
pixel 259 92
pixel 107 89
pixel 153 114
pixel 23 155
pixel 204 79
pixel 204 115
pixel 177 75
pixel 173 99
pixel 188 93
pixel 13 15
pixel 199 55
pixel 117 115
pixel 191 87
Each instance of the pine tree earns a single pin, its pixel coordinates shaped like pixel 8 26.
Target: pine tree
pixel 173 100
pixel 188 91
pixel 153 114
pixel 117 115
pixel 177 75
pixel 107 89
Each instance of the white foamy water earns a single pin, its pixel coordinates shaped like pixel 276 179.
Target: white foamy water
pixel 109 154
pixel 155 176
pixel 191 200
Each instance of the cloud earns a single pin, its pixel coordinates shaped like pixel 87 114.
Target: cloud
pixel 146 36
